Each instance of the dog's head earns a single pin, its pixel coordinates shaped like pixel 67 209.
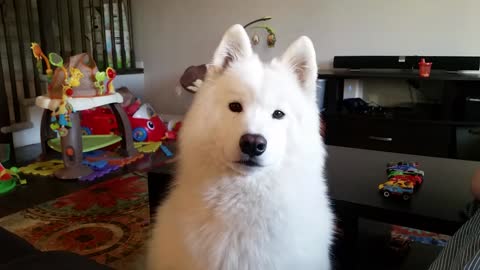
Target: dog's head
pixel 249 115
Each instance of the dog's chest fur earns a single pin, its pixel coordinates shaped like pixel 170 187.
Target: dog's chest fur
pixel 238 226
pixel 244 224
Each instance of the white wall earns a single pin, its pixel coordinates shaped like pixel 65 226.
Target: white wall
pixel 134 82
pixel 179 33
pixel 138 23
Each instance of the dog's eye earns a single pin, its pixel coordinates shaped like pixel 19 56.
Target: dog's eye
pixel 235 107
pixel 277 114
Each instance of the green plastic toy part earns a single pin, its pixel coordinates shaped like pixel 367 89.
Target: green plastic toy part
pixel 7 186
pixel 89 142
pixel 100 78
pixel 55 59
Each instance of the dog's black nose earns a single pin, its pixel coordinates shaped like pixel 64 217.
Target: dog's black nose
pixel 253 144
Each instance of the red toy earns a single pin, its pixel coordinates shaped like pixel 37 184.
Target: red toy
pixel 145 123
pixel 173 128
pixel 98 121
pixel 132 108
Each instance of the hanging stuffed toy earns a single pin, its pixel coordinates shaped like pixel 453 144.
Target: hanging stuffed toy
pixel 60 119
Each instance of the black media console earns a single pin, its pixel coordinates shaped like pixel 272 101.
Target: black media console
pixel 398 111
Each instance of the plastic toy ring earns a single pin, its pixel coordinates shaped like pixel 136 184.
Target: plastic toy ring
pixel 63 132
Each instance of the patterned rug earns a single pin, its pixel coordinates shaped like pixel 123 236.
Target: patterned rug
pixel 420 236
pixel 107 222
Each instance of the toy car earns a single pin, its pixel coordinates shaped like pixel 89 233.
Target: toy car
pixel 406 168
pixel 392 173
pixel 412 164
pixel 415 179
pixel 399 188
pixel 402 167
pixel 411 172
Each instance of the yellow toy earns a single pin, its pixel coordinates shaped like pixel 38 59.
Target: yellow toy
pixel 44 168
pixel 75 76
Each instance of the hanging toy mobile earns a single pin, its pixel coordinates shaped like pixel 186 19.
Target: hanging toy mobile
pixel 100 77
pixel 57 61
pixel 39 55
pixel 271 37
pixel 60 119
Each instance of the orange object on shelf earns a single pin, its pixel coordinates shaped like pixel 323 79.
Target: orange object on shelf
pixel 424 68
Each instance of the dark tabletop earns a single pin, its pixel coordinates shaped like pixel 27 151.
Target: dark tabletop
pixel 354 176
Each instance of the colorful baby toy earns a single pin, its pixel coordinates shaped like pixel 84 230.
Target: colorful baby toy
pixel 72 78
pixel 74 87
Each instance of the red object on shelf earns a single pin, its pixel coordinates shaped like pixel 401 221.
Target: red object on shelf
pixel 4 174
pixel 424 68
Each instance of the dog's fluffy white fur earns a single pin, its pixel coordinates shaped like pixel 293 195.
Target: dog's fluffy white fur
pixel 225 215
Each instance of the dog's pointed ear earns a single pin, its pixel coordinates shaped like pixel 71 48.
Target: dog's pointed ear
pixel 234 46
pixel 301 60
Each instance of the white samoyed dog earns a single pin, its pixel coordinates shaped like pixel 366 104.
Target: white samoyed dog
pixel 250 192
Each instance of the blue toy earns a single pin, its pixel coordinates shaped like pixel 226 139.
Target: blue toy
pixel 166 151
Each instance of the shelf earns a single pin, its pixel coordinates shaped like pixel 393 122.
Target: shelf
pixel 404 120
pixel 397 74
pixel 130 71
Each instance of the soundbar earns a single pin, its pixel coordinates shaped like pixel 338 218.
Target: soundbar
pixel 447 63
